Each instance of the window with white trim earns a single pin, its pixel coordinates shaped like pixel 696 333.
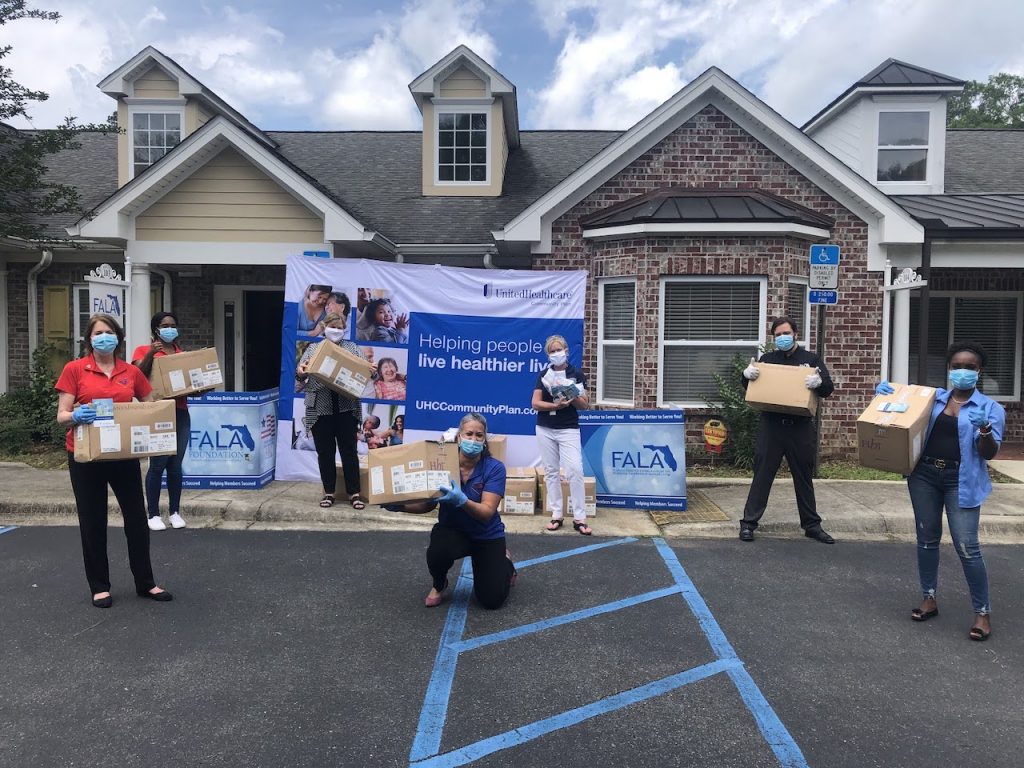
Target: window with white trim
pixel 993 319
pixel 617 346
pixel 462 145
pixel 797 309
pixel 705 322
pixel 80 294
pixel 903 146
pixel 153 134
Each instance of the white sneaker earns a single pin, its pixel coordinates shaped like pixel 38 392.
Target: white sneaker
pixel 177 521
pixel 157 524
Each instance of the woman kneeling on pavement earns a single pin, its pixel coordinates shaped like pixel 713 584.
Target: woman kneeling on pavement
pixel 102 374
pixel 468 523
pixel 964 433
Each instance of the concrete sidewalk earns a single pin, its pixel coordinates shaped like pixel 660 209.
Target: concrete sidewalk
pixel 851 509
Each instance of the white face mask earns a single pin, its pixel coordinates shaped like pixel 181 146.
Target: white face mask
pixel 557 358
pixel 334 334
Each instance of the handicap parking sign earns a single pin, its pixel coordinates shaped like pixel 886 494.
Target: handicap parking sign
pixel 824 254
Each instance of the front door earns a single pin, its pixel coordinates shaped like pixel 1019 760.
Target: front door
pixel 247 333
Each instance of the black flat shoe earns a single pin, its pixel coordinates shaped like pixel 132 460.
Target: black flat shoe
pixel 979 634
pixel 103 602
pixel 160 597
pixel 819 534
pixel 746 534
pixel 918 615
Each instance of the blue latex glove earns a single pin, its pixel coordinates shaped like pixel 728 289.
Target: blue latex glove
pixel 884 388
pixel 452 495
pixel 83 414
pixel 978 417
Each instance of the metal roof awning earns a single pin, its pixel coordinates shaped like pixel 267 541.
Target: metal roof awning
pixel 967 217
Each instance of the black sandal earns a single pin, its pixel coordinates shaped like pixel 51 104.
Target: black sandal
pixel 579 527
pixel 357 503
pixel 979 634
pixel 554 525
pixel 327 501
pixel 918 615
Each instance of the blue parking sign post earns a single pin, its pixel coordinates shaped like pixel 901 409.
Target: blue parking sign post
pixel 822 285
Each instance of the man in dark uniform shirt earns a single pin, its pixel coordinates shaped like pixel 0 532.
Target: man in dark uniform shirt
pixel 780 434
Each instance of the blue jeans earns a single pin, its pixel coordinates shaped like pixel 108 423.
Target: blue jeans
pixel 172 466
pixel 930 490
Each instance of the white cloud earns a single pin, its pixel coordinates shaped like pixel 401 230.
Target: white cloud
pixel 154 15
pixel 368 89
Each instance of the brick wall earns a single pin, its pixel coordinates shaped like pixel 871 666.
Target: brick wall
pixel 710 151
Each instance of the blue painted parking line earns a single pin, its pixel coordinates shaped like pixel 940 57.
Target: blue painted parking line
pixel 7 528
pixel 427 742
pixel 572 717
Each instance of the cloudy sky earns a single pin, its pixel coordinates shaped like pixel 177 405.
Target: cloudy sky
pixel 346 64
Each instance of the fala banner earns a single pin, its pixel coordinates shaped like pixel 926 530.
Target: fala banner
pixel 445 340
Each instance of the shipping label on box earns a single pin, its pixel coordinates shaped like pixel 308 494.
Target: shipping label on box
pixel 400 474
pixel 186 373
pixel 136 430
pixel 892 430
pixel 782 389
pixel 339 370
pixel 589 495
pixel 520 491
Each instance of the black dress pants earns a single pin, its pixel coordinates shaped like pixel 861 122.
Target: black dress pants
pixel 89 482
pixel 338 429
pixel 777 436
pixel 492 570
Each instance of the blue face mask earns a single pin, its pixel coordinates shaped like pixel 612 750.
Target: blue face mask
pixel 963 378
pixel 104 342
pixel 168 334
pixel 784 342
pixel 471 447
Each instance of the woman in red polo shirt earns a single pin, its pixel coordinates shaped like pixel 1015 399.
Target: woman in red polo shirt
pixel 164 327
pixel 100 373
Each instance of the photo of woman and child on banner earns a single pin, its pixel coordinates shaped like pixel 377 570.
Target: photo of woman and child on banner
pixel 441 341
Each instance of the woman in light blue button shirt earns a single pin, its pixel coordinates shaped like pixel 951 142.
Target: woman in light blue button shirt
pixel 964 433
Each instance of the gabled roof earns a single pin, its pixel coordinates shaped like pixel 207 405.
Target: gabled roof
pixel 112 219
pixel 984 161
pixel 890 76
pixel 119 83
pixel 717 89
pixel 428 84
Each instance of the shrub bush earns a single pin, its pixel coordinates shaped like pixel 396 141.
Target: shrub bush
pixel 28 415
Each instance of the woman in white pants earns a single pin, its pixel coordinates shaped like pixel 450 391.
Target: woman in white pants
pixel 561 390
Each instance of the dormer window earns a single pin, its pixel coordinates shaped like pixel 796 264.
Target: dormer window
pixel 462 147
pixel 154 133
pixel 903 146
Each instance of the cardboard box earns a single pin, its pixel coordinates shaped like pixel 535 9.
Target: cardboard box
pixel 589 495
pixel 782 389
pixel 411 472
pixel 186 373
pixel 137 430
pixel 497 444
pixel 339 370
pixel 520 491
pixel 891 431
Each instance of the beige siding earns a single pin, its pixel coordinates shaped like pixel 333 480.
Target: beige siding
pixel 229 200
pixel 155 84
pixel 463 84
pixel 195 117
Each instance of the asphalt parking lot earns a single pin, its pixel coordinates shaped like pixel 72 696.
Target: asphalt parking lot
pixel 305 648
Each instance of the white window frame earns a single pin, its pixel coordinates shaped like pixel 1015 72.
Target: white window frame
pixel 804 332
pixel 149 109
pixel 482 107
pixel 76 311
pixel 952 295
pixel 926 147
pixel 762 321
pixel 602 342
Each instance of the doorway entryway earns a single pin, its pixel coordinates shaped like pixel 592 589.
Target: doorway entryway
pixel 247 332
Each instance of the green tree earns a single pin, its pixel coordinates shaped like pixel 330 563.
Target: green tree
pixel 996 103
pixel 27 197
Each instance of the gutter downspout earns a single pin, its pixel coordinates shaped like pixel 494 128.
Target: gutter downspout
pixel 4 322
pixel 33 302
pixel 166 277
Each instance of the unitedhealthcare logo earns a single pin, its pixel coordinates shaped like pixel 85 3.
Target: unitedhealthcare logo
pixel 525 294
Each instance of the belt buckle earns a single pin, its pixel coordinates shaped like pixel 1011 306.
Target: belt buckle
pixel 939 463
